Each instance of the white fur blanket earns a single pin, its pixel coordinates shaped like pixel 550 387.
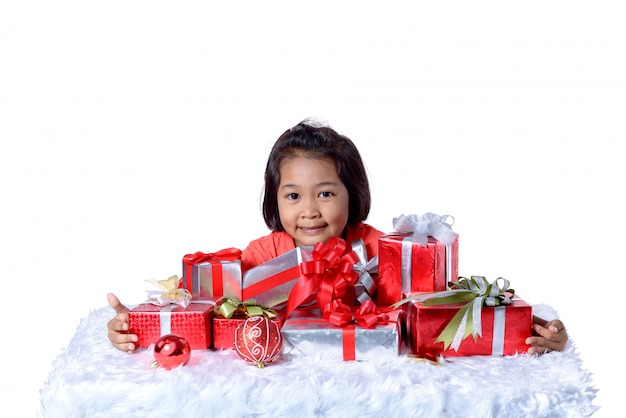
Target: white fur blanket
pixel 90 378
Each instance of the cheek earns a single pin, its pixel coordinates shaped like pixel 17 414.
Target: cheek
pixel 340 213
pixel 284 214
pixel 345 209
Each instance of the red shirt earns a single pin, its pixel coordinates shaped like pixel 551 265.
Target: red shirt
pixel 277 243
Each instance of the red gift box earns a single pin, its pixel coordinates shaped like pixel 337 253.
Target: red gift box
pixel 405 266
pixel 504 330
pixel 149 322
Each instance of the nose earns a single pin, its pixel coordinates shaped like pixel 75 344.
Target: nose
pixel 310 208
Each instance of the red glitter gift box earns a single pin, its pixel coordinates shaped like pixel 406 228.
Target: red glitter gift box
pixel 149 322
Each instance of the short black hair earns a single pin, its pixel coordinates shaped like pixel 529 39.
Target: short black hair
pixel 312 139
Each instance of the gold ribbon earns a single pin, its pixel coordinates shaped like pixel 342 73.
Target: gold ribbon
pixel 171 294
pixel 229 306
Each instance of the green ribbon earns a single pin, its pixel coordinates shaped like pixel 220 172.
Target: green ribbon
pixel 229 306
pixel 475 293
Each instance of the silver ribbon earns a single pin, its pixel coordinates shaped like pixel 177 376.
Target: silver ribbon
pixel 407 266
pixel 365 285
pixel 499 321
pixel 426 225
pixel 165 319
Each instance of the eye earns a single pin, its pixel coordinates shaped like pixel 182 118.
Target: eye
pixel 326 194
pixel 293 196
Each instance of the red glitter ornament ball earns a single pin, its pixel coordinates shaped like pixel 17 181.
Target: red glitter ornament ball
pixel 171 350
pixel 258 341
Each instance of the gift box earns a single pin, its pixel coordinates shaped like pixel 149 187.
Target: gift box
pixel 271 282
pixel 213 274
pixel 416 261
pixel 306 333
pixel 505 329
pixel 149 322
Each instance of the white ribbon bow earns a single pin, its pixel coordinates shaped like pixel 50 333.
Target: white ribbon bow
pixel 426 225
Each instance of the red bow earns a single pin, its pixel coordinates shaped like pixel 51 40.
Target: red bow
pixel 227 254
pixel 328 274
pixel 340 314
pixel 368 315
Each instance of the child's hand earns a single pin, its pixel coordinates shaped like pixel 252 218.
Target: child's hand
pixel 548 336
pixel 118 326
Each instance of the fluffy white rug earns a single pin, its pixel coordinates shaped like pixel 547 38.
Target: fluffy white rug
pixel 90 378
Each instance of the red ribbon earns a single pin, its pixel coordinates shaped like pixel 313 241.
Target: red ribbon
pixel 368 315
pixel 328 274
pixel 215 259
pixel 349 342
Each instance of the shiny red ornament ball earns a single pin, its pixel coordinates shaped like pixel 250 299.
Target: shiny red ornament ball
pixel 258 341
pixel 171 351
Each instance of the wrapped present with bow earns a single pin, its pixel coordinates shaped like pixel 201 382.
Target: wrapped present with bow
pixel 441 323
pixel 171 310
pixel 211 275
pixel 230 312
pixel 344 332
pixel 421 255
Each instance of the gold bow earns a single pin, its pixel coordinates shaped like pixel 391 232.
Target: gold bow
pixel 171 294
pixel 229 306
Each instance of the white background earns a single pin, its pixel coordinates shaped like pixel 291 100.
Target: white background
pixel 133 133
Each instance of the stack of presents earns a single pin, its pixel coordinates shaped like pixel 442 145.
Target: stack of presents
pixel 407 300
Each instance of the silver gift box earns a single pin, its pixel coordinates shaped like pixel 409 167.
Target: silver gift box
pixel 202 280
pixel 307 333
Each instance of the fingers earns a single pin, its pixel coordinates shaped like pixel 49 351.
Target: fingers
pixel 555 326
pixel 536 347
pixel 120 310
pixel 118 326
pixel 116 304
pixel 119 336
pixel 550 337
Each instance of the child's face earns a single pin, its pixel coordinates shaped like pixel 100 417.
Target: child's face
pixel 312 200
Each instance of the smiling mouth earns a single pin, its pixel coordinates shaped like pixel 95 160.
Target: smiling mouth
pixel 312 229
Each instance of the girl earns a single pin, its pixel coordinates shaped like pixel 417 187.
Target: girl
pixel 316 187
